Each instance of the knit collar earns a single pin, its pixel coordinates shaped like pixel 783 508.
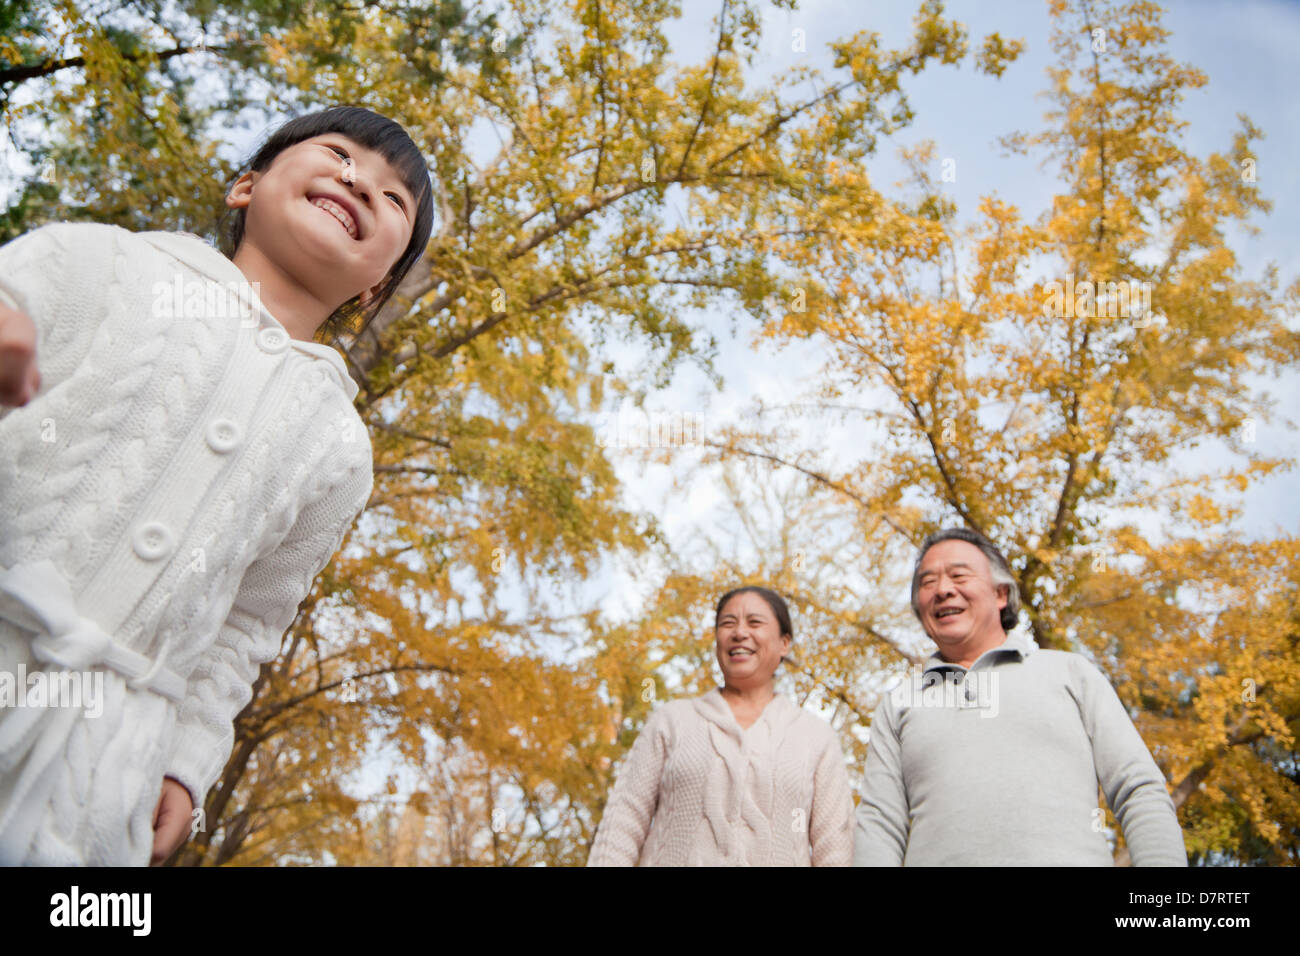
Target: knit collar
pixel 197 253
pixel 1016 643
pixel 714 708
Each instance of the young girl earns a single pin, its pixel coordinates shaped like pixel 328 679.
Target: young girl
pixel 180 467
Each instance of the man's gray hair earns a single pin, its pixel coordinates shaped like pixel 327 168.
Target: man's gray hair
pixel 998 565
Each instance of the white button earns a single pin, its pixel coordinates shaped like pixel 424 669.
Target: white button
pixel 223 435
pixel 272 340
pixel 152 541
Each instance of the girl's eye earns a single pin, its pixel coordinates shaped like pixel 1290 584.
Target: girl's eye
pixel 343 153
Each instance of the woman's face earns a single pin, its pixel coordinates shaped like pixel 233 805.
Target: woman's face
pixel 749 641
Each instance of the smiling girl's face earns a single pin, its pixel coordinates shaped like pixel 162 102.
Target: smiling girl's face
pixel 336 228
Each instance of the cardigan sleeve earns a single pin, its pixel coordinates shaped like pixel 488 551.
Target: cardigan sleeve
pixel 265 604
pixel 57 276
pixel 830 825
pixel 880 838
pixel 1133 784
pixel 634 798
pixel 24 284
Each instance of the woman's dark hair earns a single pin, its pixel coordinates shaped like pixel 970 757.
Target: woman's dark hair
pixel 774 601
pixel 384 137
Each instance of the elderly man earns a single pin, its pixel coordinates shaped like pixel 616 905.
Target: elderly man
pixel 992 755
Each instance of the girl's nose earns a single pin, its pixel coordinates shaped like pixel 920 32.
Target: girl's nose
pixel 355 179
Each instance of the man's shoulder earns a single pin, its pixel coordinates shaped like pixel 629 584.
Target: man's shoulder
pixel 1065 662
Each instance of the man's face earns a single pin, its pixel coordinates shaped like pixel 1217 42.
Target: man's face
pixel 338 227
pixel 958 600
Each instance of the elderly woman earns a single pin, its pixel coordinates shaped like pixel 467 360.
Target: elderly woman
pixel 739 776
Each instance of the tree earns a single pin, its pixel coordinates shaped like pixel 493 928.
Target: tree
pixel 491 487
pixel 127 129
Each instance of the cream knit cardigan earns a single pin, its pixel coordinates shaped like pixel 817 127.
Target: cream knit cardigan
pixel 699 790
pixel 165 501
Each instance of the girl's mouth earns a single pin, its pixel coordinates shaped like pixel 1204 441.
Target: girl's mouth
pixel 341 215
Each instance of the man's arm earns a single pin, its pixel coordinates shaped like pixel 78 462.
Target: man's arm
pixel 1133 784
pixel 883 818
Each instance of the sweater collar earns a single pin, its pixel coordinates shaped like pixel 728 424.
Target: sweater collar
pixel 714 708
pixel 1016 645
pixel 199 255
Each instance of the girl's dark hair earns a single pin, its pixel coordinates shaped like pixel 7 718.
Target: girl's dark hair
pixel 374 132
pixel 774 601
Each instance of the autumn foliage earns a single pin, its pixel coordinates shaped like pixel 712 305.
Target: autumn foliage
pixel 1035 375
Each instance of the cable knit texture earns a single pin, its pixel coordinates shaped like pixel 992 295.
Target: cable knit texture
pixel 188 471
pixel 697 789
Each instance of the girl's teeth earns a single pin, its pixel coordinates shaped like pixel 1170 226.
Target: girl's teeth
pixel 337 214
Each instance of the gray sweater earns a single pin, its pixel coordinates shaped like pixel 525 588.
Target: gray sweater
pixel 999 766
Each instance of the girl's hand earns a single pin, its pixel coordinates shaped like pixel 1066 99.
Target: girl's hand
pixel 171 820
pixel 19 378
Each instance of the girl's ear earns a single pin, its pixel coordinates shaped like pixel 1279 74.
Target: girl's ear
pixel 241 194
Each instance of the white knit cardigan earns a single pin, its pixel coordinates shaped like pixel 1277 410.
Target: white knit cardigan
pixel 165 501
pixel 697 789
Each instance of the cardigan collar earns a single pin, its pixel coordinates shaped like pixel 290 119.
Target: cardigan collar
pixel 197 253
